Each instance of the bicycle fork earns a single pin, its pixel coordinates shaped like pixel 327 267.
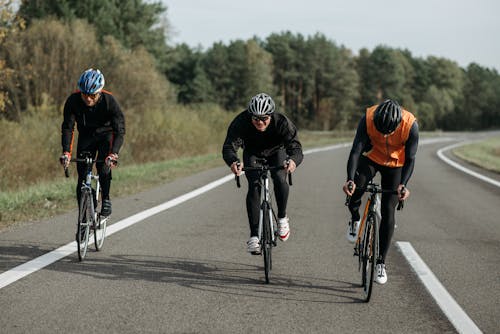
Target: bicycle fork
pixel 266 209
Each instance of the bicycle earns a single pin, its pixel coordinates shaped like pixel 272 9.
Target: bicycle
pixel 89 217
pixel 268 229
pixel 366 247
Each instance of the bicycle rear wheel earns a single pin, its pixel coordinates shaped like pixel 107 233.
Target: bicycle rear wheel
pixel 83 227
pixel 370 253
pixel 267 243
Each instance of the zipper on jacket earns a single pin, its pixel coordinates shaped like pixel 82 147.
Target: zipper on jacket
pixel 387 162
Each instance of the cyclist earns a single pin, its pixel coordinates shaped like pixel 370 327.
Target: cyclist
pixel 263 133
pixel 101 129
pixel 386 142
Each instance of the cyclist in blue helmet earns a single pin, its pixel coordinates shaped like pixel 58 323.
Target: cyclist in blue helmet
pixel 101 129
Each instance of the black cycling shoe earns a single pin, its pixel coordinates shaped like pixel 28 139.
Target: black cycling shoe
pixel 106 208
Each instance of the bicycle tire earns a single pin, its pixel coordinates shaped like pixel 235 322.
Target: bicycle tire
pixel 370 254
pixel 100 231
pixel 84 218
pixel 266 243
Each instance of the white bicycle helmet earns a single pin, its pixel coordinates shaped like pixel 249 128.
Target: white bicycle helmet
pixel 261 105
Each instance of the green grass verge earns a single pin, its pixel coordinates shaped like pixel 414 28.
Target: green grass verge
pixel 485 154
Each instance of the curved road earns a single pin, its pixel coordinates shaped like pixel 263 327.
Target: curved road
pixel 185 269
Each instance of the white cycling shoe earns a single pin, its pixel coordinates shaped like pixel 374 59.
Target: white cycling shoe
pixel 352 231
pixel 253 245
pixel 381 274
pixel 284 228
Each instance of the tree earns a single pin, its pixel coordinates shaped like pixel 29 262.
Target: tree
pixel 10 24
pixel 238 71
pixel 446 91
pixel 187 73
pixel 133 22
pixel 480 109
pixel 334 83
pixel 385 73
pixel 291 72
pixel 48 60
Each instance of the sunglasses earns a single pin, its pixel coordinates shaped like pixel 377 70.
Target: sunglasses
pixel 261 118
pixel 91 96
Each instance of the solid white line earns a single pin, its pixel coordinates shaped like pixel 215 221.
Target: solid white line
pixel 456 315
pixel 462 168
pixel 40 262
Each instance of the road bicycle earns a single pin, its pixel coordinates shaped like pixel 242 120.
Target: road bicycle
pixel 268 229
pixel 366 247
pixel 90 220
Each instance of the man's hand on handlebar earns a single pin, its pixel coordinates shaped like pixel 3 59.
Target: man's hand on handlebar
pixel 290 166
pixel 403 192
pixel 236 168
pixel 349 187
pixel 111 160
pixel 65 159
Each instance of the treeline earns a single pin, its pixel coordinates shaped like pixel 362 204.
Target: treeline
pixel 318 83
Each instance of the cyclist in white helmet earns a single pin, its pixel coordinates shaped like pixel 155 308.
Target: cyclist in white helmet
pixel 263 133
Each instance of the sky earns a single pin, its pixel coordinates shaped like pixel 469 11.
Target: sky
pixel 464 31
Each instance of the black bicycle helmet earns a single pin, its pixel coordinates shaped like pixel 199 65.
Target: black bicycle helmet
pixel 261 104
pixel 387 116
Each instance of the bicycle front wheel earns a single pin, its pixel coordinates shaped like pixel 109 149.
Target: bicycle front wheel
pixel 370 254
pixel 100 231
pixel 267 243
pixel 83 227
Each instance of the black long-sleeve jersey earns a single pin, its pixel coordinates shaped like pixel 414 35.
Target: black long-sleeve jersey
pixel 105 116
pixel 280 134
pixel 363 144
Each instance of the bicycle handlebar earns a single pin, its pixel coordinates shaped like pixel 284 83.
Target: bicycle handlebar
pixel 373 189
pixel 87 160
pixel 263 168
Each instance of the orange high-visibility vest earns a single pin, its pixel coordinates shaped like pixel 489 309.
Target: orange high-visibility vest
pixel 388 150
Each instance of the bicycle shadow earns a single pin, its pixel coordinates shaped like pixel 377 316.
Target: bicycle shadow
pixel 221 277
pixel 12 255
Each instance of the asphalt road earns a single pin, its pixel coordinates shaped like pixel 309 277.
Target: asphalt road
pixel 186 270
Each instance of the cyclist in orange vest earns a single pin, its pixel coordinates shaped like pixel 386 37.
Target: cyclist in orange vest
pixel 386 141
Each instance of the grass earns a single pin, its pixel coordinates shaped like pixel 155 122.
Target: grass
pixel 485 154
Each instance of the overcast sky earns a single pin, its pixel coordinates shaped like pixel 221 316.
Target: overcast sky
pixel 461 30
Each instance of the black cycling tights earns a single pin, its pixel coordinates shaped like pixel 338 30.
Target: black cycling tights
pixel 390 179
pixel 281 188
pixel 100 144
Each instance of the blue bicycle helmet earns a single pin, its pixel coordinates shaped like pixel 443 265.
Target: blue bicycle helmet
pixel 91 81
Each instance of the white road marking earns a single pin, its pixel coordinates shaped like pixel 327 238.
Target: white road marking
pixel 40 262
pixel 462 168
pixel 456 315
